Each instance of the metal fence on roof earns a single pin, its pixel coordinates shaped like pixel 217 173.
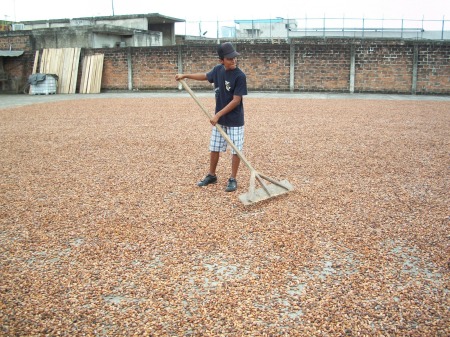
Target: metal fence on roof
pixel 438 29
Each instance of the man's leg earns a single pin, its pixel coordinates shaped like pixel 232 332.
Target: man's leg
pixel 235 161
pixel 213 161
pixel 211 176
pixel 232 183
pixel 237 136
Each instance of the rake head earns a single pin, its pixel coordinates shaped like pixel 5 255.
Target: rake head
pixel 267 191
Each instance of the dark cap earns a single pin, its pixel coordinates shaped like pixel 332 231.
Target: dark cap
pixel 226 50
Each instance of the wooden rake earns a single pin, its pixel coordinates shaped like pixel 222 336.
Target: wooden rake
pixel 253 195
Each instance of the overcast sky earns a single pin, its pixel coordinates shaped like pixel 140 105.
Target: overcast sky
pixel 207 10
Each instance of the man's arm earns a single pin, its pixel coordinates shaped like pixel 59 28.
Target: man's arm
pixel 197 76
pixel 229 107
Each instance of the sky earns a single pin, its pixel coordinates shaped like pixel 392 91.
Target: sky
pixel 207 10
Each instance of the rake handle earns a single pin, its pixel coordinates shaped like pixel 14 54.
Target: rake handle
pixel 222 132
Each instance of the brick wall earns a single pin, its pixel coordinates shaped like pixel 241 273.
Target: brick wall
pixel 434 69
pixel 17 68
pixel 266 66
pixel 115 68
pixel 380 66
pixel 322 66
pixel 16 41
pixel 384 67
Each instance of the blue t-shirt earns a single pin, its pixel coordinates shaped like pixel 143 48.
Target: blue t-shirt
pixel 226 85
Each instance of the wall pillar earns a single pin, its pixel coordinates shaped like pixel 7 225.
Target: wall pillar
pixel 352 68
pixel 180 66
pixel 414 72
pixel 130 69
pixel 292 67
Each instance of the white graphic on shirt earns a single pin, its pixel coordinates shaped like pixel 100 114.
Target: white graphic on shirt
pixel 227 85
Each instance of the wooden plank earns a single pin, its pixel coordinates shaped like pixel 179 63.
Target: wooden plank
pixel 83 76
pixel 94 75
pixel 88 77
pixel 49 67
pixel 58 65
pixel 65 64
pixel 69 69
pixel 66 72
pixel 92 72
pixel 54 65
pixel 89 72
pixel 97 69
pixel 36 61
pixel 43 61
pixel 50 60
pixel 87 66
pixel 74 71
pixel 62 66
pixel 99 73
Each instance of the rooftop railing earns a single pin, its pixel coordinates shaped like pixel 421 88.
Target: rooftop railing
pixel 316 27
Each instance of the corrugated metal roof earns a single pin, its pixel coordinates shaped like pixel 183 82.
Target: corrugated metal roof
pixel 11 53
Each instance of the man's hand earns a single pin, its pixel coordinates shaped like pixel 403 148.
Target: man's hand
pixel 214 120
pixel 179 77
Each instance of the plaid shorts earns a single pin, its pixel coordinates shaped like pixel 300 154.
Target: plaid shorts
pixel 219 144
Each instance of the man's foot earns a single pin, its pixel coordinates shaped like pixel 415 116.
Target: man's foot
pixel 209 179
pixel 232 185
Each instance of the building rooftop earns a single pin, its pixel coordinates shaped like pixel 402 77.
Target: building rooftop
pixel 152 18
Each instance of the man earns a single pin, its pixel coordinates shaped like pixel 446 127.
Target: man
pixel 230 85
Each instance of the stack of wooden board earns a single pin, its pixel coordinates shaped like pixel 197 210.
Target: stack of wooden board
pixel 91 76
pixel 62 62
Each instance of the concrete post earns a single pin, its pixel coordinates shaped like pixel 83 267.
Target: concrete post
pixel 414 71
pixel 291 66
pixel 180 66
pixel 130 70
pixel 352 68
